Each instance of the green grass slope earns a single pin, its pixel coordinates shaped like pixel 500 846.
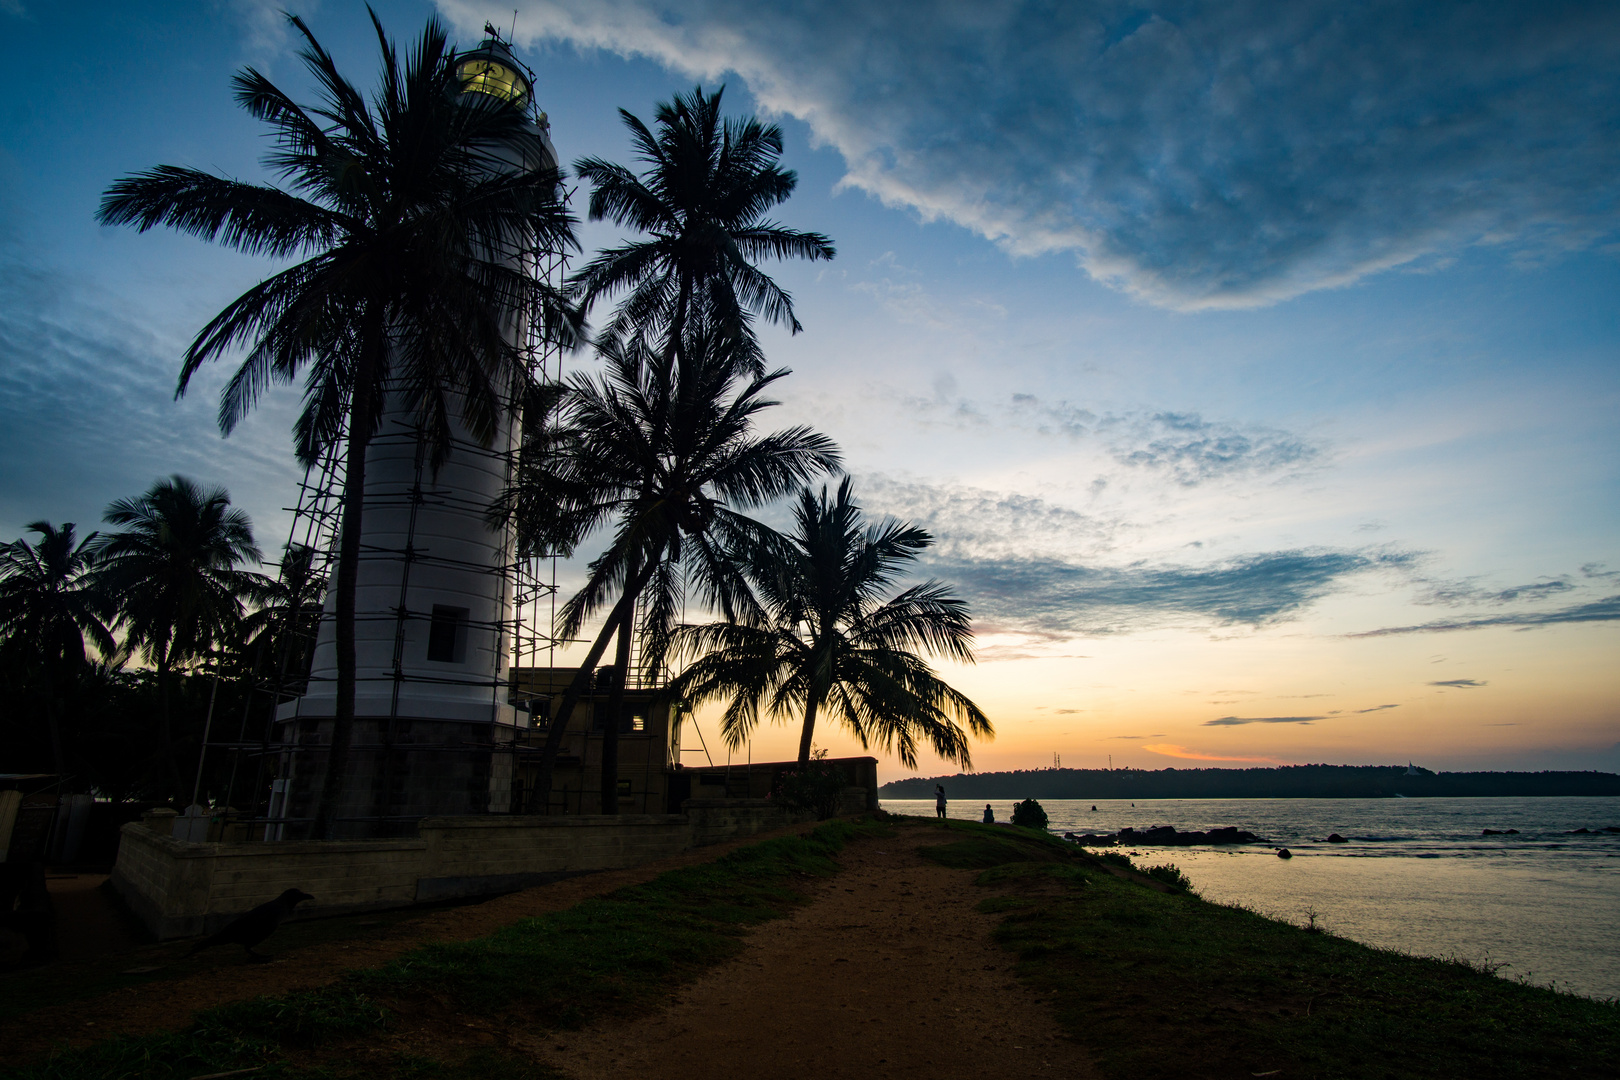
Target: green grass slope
pixel 1162 984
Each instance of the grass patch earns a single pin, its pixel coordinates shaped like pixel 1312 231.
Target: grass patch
pixel 1166 985
pixel 25 990
pixel 614 953
pixel 997 845
pixel 604 955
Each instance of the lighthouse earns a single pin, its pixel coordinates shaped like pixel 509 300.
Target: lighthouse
pixel 433 726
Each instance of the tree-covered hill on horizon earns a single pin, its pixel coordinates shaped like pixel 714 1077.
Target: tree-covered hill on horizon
pixel 1284 782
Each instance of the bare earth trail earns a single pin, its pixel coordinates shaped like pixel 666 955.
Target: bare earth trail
pixel 888 972
pixel 225 975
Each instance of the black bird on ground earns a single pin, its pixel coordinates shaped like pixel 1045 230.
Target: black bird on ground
pixel 253 927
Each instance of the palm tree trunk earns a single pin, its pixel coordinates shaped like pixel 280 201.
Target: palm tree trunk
pixel 165 725
pixel 615 707
pixel 810 711
pixel 354 481
pixel 576 688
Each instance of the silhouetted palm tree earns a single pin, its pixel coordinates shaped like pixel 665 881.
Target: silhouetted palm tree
pixel 172 570
pixel 285 622
pixel 50 602
pixel 702 198
pixel 832 643
pixel 409 208
pixel 661 448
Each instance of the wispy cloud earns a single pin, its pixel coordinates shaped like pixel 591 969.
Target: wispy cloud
pixel 1604 610
pixel 1181 445
pixel 266 33
pixel 974 522
pixel 1238 721
pixel 1055 598
pixel 1470 591
pixel 1194 450
pixel 1460 684
pixel 1199 155
pixel 1375 708
pixel 87 411
pixel 1173 751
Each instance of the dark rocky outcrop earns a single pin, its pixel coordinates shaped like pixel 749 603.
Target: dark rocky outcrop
pixel 1500 832
pixel 1284 853
pixel 1335 838
pixel 1164 836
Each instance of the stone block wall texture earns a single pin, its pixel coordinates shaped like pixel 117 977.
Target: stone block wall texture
pixel 180 889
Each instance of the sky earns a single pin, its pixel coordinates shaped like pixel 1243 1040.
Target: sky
pixel 1256 366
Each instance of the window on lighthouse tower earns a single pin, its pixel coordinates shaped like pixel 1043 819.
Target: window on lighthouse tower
pixel 447 635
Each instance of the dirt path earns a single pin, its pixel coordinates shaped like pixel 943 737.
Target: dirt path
pixel 889 972
pixel 224 975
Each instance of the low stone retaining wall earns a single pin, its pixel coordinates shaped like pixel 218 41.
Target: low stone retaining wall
pixel 179 889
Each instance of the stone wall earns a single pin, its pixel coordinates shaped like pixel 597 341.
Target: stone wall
pixel 179 889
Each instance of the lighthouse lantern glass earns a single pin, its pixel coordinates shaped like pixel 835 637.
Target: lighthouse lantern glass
pixel 495 79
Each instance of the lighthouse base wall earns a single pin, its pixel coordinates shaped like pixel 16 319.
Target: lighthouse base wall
pixel 180 888
pixel 400 770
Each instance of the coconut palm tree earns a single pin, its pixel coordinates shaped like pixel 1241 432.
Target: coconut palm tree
pixel 832 644
pixel 50 603
pixel 407 211
pixel 661 449
pixel 701 200
pixel 173 571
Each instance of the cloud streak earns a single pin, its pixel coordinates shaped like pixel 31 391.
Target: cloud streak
pixel 1239 721
pixel 1605 610
pixel 1197 154
pixel 1173 751
pixel 1460 684
pixel 1054 598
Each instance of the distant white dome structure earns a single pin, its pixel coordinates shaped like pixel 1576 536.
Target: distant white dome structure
pixel 433 599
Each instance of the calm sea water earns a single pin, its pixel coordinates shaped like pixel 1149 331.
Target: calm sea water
pixel 1417 874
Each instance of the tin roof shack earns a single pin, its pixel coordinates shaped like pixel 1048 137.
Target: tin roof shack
pixel 652 779
pixel 648 744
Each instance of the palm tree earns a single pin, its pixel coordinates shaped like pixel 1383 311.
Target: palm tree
pixel 661 449
pixel 410 210
pixel 832 643
pixel 50 602
pixel 702 201
pixel 172 570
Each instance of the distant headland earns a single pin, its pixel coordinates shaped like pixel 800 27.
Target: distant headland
pixel 1285 782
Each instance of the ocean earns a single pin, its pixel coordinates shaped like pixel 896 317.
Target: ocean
pixel 1417 875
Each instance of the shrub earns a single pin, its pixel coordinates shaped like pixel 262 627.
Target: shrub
pixel 814 787
pixel 1170 875
pixel 1029 814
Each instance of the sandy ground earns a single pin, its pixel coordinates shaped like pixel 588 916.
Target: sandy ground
pixel 889 972
pixel 168 1004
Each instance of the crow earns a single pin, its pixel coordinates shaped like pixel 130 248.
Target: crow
pixel 253 927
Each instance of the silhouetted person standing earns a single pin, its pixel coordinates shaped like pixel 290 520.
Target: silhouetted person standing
pixel 939 801
pixel 250 929
pixel 989 815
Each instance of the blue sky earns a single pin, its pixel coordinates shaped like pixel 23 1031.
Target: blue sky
pixel 1257 371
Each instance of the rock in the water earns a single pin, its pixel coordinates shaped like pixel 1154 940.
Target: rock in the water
pixel 1284 853
pixel 1335 838
pixel 1500 832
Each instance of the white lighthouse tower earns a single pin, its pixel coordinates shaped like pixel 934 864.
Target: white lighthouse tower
pixel 433 727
